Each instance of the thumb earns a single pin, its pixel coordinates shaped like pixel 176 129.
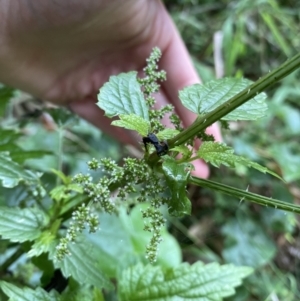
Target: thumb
pixel 177 63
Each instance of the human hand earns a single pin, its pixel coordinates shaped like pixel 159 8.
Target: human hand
pixel 65 51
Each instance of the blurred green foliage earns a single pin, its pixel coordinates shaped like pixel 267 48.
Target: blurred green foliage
pixel 257 36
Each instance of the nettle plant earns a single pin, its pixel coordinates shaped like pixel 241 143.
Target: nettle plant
pixel 140 191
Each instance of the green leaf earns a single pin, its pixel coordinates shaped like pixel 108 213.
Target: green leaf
pixel 84 265
pixel 210 282
pixel 75 187
pixel 218 153
pixel 176 177
pixel 60 192
pixel 65 179
pixel 184 150
pixel 27 294
pixel 11 173
pixel 63 117
pixel 45 140
pixel 167 134
pixel 118 233
pixel 79 292
pixel 43 243
pixel 288 160
pixel 20 225
pixel 123 95
pixel 10 147
pixel 126 233
pixel 108 242
pixel 247 243
pixel 202 99
pixel 6 94
pixel 8 136
pixel 134 225
pixel 23 155
pixel 133 122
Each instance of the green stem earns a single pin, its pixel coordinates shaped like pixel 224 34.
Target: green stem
pixel 60 152
pixel 57 205
pixel 245 195
pixel 66 212
pixel 203 122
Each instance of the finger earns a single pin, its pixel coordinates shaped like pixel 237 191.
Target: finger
pixel 201 168
pixel 180 71
pixel 177 63
pixel 214 130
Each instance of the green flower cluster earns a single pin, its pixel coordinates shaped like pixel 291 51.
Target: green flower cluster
pixel 150 84
pixel 123 182
pixel 80 218
pixel 132 182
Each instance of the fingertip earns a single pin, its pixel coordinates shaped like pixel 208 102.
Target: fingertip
pixel 201 169
pixel 214 130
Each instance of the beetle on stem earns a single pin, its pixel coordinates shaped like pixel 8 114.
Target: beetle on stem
pixel 160 146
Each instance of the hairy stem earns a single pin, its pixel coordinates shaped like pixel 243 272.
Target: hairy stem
pixel 245 195
pixel 259 86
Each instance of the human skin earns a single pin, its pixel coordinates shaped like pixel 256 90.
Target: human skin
pixel 64 51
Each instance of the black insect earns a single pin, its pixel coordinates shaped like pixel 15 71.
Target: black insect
pixel 26 106
pixel 160 146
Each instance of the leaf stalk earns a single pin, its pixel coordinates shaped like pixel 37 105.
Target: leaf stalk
pixel 245 195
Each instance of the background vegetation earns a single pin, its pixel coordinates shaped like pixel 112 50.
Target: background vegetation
pixel 226 38
pixel 256 36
